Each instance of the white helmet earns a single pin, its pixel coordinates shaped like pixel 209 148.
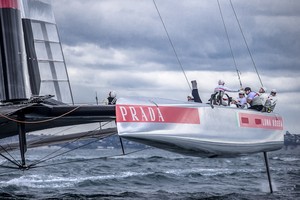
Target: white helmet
pixel 264 88
pixel 273 90
pixel 242 92
pixel 221 82
pixel 112 94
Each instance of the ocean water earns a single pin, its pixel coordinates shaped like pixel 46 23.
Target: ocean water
pixel 151 174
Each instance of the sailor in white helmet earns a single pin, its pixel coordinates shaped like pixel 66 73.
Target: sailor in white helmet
pixel 221 87
pixel 258 99
pixel 263 96
pixel 271 101
pixel 112 98
pixel 241 101
pixel 220 90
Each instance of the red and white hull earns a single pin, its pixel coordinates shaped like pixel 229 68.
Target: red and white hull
pixel 198 129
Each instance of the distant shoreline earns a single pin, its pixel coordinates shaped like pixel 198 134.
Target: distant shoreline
pixel 291 139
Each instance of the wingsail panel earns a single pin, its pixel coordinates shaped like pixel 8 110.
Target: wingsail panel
pixel 31 23
pixel 46 64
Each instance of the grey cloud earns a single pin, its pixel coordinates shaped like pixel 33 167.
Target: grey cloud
pixel 200 43
pixel 196 31
pixel 133 29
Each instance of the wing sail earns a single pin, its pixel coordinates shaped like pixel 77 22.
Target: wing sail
pixel 13 82
pixel 46 64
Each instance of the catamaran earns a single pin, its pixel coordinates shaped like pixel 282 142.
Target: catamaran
pixel 35 94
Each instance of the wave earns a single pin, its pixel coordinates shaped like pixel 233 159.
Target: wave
pixel 210 171
pixel 153 195
pixel 52 181
pixel 286 159
pixel 61 181
pixel 2 161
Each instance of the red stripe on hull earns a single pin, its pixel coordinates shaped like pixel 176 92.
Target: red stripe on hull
pixel 260 121
pixel 157 114
pixel 9 4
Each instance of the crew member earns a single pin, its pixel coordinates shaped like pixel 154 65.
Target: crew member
pixel 219 92
pixel 112 98
pixel 253 99
pixel 195 92
pixel 241 101
pixel 262 93
pixel 271 101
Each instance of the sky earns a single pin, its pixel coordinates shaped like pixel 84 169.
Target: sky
pixel 122 45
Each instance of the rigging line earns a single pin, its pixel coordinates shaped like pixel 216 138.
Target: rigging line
pixel 169 38
pixel 237 71
pixel 246 43
pixel 57 155
pixel 9 154
pixel 10 148
pixel 55 134
pixel 44 158
pixel 38 122
pixel 10 160
pixel 30 143
pixel 65 152
pixel 67 144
